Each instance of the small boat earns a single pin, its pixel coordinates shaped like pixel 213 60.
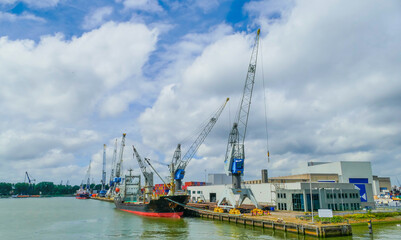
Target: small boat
pixel 20 196
pixel 82 194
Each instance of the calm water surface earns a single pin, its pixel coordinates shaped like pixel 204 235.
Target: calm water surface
pixel 70 218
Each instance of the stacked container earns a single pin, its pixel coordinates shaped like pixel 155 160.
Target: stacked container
pixel 160 189
pixel 187 184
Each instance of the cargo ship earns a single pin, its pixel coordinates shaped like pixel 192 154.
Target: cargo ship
pixel 164 206
pixel 131 199
pixel 82 194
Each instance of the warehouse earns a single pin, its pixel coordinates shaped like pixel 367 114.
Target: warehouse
pixel 334 185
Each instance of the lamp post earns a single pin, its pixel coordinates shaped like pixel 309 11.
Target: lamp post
pixel 320 199
pixel 311 198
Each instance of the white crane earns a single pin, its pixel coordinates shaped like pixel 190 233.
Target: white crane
pixel 235 153
pixel 146 174
pixel 179 164
pixel 120 159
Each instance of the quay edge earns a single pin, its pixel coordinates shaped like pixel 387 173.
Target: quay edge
pixel 302 229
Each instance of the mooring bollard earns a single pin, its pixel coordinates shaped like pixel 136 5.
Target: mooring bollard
pixel 370 226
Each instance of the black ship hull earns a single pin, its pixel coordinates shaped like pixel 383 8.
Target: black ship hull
pixel 161 207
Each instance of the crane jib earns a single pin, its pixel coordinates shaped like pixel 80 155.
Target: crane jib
pixel 181 163
pixel 235 154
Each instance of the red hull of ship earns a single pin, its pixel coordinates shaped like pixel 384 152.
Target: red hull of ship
pixel 152 214
pixel 82 197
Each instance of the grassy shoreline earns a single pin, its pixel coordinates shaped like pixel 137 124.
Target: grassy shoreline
pixel 377 221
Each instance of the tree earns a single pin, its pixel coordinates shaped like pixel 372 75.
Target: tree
pixel 98 187
pixel 45 188
pixel 21 188
pixel 5 188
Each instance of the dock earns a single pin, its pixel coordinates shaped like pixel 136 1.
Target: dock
pixel 316 230
pixel 103 199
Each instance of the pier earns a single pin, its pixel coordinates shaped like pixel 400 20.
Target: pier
pixel 103 199
pixel 316 230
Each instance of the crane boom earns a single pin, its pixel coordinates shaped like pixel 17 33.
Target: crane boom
pixel 235 153
pixel 88 176
pixel 113 163
pixel 201 137
pixel 120 157
pixel 27 175
pixel 104 167
pixel 177 156
pixel 148 175
pixel 181 164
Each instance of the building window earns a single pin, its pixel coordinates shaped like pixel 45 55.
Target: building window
pixel 199 192
pixel 328 195
pixel 298 202
pixel 193 192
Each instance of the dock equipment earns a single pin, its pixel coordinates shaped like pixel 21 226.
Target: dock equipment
pixel 113 163
pixel 235 153
pixel 146 174
pixel 178 164
pixel 102 192
pixel 116 172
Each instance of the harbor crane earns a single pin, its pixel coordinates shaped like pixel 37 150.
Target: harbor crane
pixel 88 176
pixel 113 164
pixel 146 174
pixel 120 160
pixel 30 180
pixel 116 174
pixel 102 192
pixel 235 153
pixel 178 164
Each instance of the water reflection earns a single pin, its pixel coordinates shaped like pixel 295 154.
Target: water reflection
pixel 164 228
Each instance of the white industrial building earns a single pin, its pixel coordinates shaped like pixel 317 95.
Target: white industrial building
pixel 335 185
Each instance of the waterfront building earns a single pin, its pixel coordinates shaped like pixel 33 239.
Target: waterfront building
pixel 344 185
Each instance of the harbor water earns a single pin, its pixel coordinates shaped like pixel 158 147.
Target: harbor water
pixel 70 218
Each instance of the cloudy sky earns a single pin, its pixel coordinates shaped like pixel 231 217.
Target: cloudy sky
pixel 77 74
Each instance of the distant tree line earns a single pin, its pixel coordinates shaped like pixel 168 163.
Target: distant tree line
pixel 42 188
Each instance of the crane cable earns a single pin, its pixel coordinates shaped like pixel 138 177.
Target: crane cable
pixel 264 101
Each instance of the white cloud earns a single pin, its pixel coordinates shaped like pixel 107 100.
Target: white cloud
pixel 333 90
pixel 331 70
pixel 142 5
pixel 33 3
pixel 24 16
pixel 51 90
pixel 69 79
pixel 207 5
pixel 97 17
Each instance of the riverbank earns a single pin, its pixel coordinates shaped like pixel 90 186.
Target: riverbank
pixel 377 221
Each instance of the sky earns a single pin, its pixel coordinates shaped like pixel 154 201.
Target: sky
pixel 75 75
